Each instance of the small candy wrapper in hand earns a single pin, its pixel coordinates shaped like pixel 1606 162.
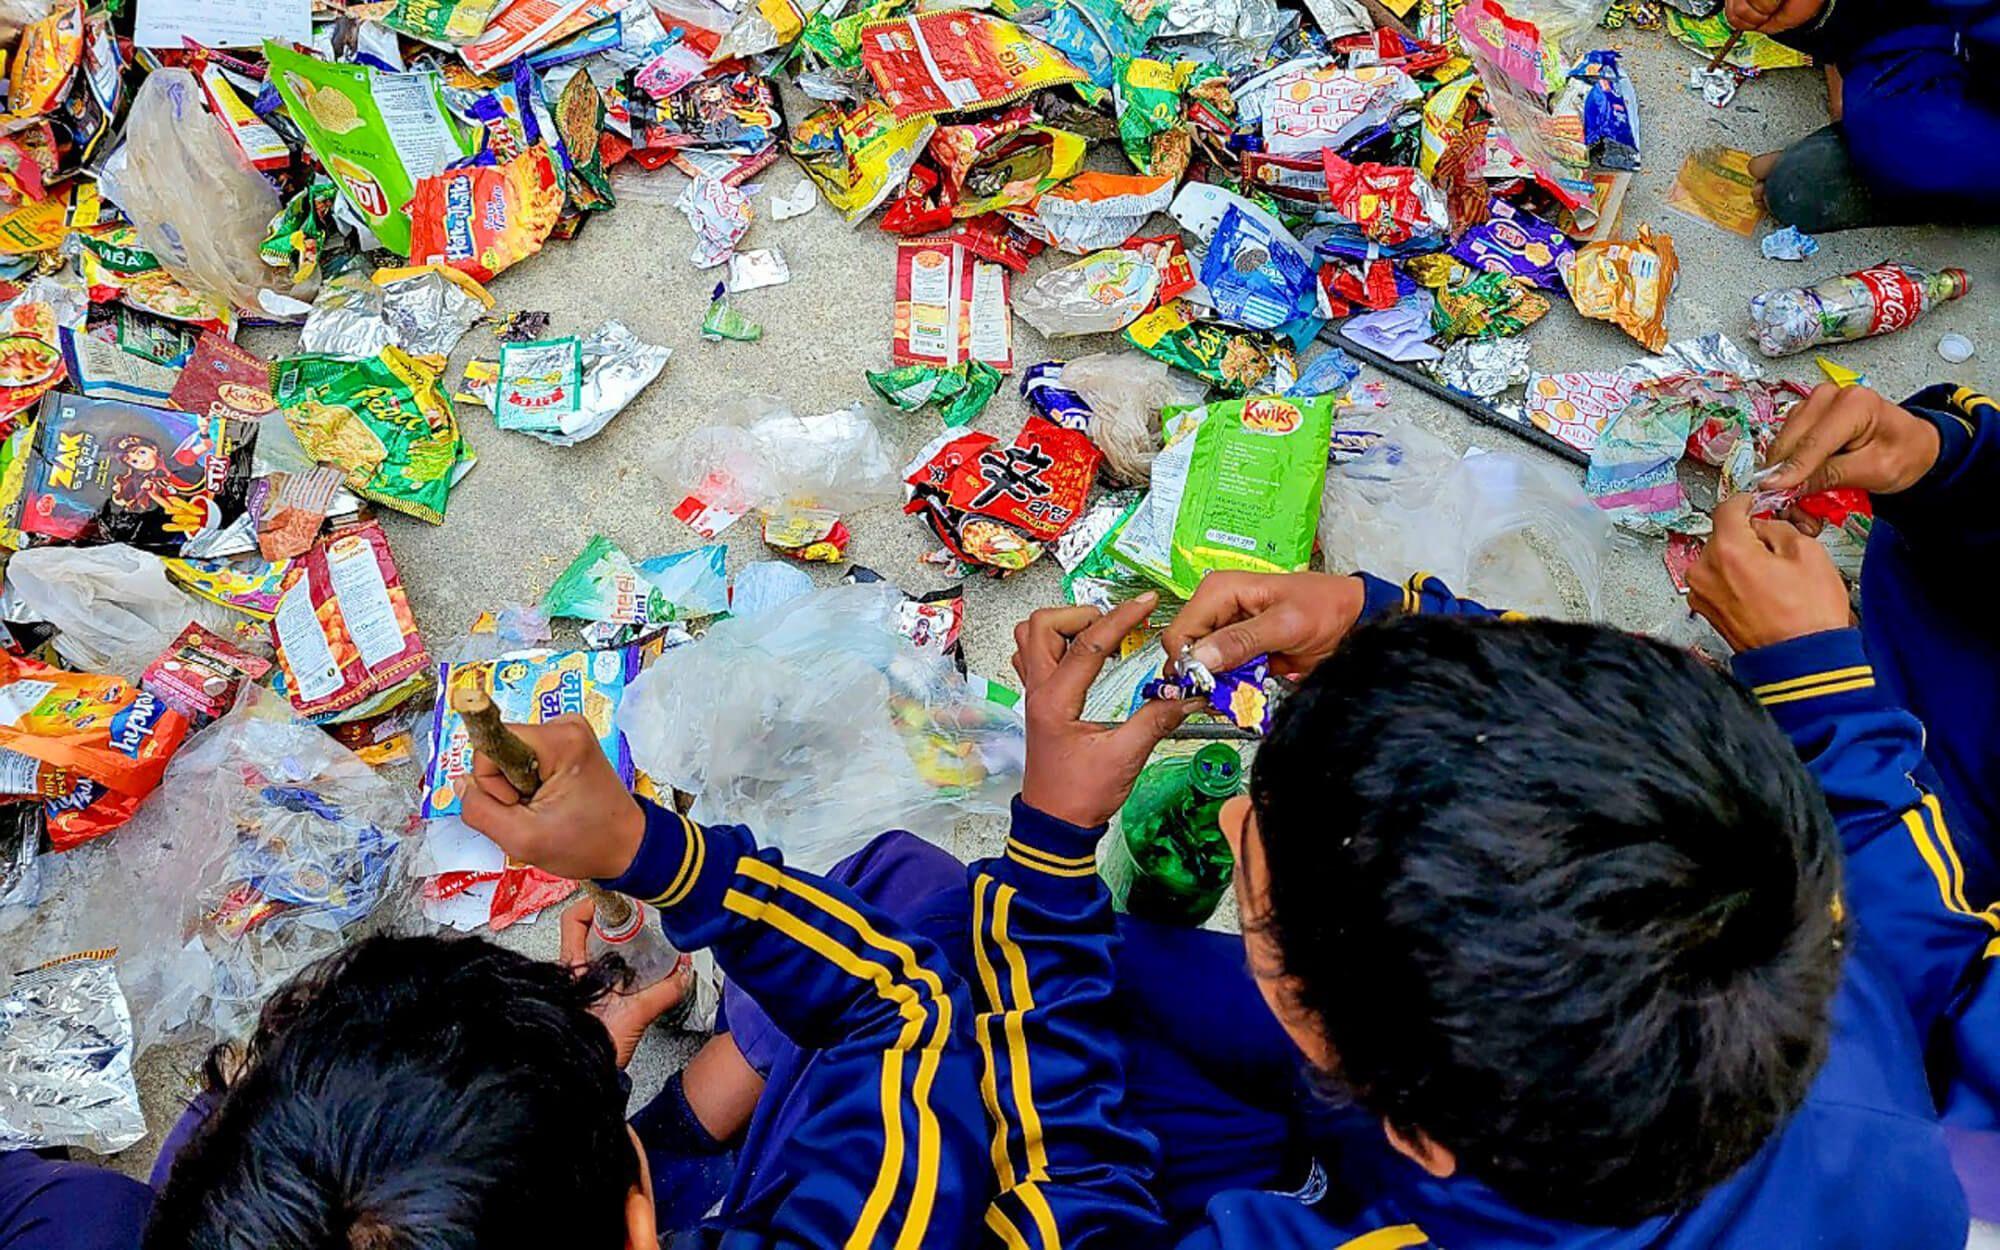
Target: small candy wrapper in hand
pixel 1245 696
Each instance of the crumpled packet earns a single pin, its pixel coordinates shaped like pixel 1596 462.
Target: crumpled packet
pixel 1390 204
pixel 384 420
pixel 998 505
pixel 1627 282
pixel 1577 406
pixel 1484 369
pixel 955 60
pixel 616 366
pixel 961 392
pixel 1095 210
pixel 1476 305
pixel 858 156
pixel 602 584
pixel 1152 120
pixel 483 218
pixel 1235 360
pixel 1320 106
pixel 1632 472
pixel 1790 243
pixel 720 215
pixel 1515 241
pixel 423 310
pixel 66 1052
pixel 1104 291
pixel 1256 276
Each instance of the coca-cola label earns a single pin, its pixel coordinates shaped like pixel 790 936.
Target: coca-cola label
pixel 1898 298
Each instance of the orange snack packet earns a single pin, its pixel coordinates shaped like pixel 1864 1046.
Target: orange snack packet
pixel 1627 282
pixel 103 728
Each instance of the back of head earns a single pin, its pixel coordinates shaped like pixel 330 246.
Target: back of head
pixel 1560 899
pixel 414 1094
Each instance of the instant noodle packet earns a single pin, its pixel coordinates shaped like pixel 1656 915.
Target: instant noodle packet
pixel 100 727
pixel 385 420
pixel 343 628
pixel 31 357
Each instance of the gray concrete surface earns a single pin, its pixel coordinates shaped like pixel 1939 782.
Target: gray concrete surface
pixel 523 513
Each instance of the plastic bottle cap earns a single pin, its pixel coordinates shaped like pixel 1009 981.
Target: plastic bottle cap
pixel 1955 348
pixel 1217 770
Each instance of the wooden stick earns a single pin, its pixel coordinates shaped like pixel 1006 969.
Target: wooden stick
pixel 1735 37
pixel 492 739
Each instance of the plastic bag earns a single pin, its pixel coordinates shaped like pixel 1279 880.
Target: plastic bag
pixel 760 456
pixel 819 725
pixel 1125 391
pixel 267 846
pixel 114 605
pixel 196 204
pixel 1494 526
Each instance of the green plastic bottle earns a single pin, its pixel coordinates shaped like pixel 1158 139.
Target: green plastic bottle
pixel 1170 862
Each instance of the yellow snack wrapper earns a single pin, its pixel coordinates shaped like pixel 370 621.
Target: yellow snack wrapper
pixel 1627 282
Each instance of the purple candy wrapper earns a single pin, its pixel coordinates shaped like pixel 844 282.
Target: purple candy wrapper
pixel 1519 243
pixel 1042 387
pixel 1245 696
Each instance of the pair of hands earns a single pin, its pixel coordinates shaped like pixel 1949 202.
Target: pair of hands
pixel 1761 582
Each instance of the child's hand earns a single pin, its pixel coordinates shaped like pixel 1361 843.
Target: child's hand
pixel 1771 16
pixel 1295 618
pixel 1851 437
pixel 1763 582
pixel 626 1016
pixel 1076 771
pixel 581 823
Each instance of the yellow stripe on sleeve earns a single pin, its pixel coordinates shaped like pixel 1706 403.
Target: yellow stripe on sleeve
pixel 691 841
pixel 1394 1237
pixel 1812 679
pixel 989 1086
pixel 1004 1229
pixel 1060 861
pixel 1023 1001
pixel 1817 692
pixel 1953 880
pixel 1085 871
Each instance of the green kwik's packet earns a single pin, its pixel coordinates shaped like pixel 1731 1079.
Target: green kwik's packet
pixel 376 133
pixel 1238 487
pixel 385 421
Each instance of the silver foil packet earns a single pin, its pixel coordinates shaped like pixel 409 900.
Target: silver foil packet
pixel 66 1059
pixel 1485 368
pixel 424 313
pixel 617 365
pixel 1715 352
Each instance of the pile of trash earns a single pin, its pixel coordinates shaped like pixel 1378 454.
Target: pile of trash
pixel 223 750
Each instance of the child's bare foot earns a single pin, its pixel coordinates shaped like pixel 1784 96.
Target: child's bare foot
pixel 1760 169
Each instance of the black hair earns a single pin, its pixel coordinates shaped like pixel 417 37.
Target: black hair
pixel 1560 899
pixel 414 1093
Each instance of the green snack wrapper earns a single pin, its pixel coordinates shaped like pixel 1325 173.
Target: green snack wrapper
pixel 961 392
pixel 446 22
pixel 300 230
pixel 1238 487
pixel 1152 120
pixel 540 382
pixel 724 322
pixel 376 133
pixel 385 421
pixel 602 584
pixel 1235 360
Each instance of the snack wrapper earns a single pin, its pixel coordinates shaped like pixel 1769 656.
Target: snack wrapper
pixel 247 584
pixel 376 133
pixel 223 380
pixel 200 672
pixel 45 60
pixel 1320 106
pixel 118 268
pixel 529 688
pixel 997 505
pixel 1482 367
pixel 482 219
pixel 1048 398
pixel 1256 276
pixel 952 60
pixel 1753 54
pixel 67 1079
pixel 1245 696
pixel 1516 242
pixel 538 384
pixel 617 365
pixel 1575 407
pixel 1238 487
pixel 1095 210
pixel 384 420
pixel 951 307
pixel 1234 360
pixel 961 392
pixel 447 22
pixel 99 727
pixel 291 509
pixel 720 215
pixel 1610 110
pixel 859 156
pixel 1152 120
pixel 343 628
pixel 31 357
pixel 1476 305
pixel 1715 185
pixel 1391 204
pixel 106 471
pixel 1627 282
pixel 809 535
pixel 602 584
pixel 522 26
pixel 1104 291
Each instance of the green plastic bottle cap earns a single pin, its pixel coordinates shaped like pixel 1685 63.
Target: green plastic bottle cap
pixel 1217 771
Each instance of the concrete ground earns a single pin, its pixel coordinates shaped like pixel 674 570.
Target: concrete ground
pixel 527 508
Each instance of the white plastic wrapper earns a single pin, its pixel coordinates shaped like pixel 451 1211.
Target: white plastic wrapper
pixel 1493 526
pixel 1103 292
pixel 819 725
pixel 1125 391
pixel 114 605
pixel 760 456
pixel 66 1051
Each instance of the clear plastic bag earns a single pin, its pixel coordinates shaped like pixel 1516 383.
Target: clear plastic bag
pixel 761 456
pixel 1125 391
pixel 1493 526
pixel 196 204
pixel 819 725
pixel 1568 22
pixel 266 846
pixel 114 605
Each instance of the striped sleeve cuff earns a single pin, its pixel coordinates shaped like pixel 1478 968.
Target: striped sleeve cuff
pixel 1381 597
pixel 1050 846
pixel 680 867
pixel 1821 672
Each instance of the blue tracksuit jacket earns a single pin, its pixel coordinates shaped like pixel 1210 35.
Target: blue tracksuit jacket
pixel 1862 1164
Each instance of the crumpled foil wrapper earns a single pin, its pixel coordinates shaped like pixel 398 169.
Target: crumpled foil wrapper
pixel 1714 352
pixel 1090 529
pixel 1235 34
pixel 66 1060
pixel 1483 368
pixel 425 314
pixel 20 844
pixel 617 365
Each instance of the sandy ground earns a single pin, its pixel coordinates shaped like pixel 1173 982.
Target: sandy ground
pixel 527 508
